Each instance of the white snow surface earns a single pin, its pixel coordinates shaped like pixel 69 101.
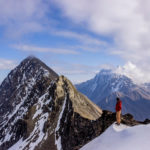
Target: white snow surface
pixel 93 87
pixel 122 138
pixel 58 141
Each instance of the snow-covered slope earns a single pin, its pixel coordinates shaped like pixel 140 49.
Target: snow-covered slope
pixel 107 85
pixel 122 138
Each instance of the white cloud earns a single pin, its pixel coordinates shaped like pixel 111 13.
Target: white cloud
pixel 7 64
pixel 127 22
pixel 86 42
pixel 74 69
pixel 25 16
pixel 81 37
pixel 135 73
pixel 78 73
pixel 31 48
pixel 75 72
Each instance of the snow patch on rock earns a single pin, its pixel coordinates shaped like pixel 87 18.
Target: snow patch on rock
pixel 58 141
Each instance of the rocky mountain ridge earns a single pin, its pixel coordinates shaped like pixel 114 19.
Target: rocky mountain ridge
pixel 39 109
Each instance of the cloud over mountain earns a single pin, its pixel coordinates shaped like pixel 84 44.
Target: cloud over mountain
pixel 6 64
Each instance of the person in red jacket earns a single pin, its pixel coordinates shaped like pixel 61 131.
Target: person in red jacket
pixel 118 110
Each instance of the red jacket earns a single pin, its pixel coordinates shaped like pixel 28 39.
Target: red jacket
pixel 119 106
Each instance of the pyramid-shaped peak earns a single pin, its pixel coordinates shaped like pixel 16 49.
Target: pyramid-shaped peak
pixel 112 74
pixel 32 59
pixel 34 63
pixel 31 68
pixel 105 71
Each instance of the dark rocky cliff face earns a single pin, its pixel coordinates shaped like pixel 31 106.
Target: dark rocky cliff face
pixel 29 78
pixel 19 92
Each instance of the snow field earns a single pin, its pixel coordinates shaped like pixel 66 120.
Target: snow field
pixel 122 138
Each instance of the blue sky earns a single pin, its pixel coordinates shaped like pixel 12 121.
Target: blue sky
pixel 76 38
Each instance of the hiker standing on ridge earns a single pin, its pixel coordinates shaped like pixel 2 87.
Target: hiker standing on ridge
pixel 118 110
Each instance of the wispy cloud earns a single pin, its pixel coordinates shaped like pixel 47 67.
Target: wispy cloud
pixel 31 48
pixel 74 69
pixel 25 16
pixel 85 42
pixel 79 72
pixel 7 64
pixel 84 38
pixel 75 72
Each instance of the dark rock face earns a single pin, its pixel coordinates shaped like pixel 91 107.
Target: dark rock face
pixel 20 130
pixel 106 86
pixel 19 92
pixel 75 130
pixel 31 74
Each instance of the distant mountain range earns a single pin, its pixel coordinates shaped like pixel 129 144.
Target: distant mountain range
pixel 106 86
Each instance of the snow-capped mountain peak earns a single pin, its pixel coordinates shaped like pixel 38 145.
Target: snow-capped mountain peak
pixel 116 81
pixel 107 85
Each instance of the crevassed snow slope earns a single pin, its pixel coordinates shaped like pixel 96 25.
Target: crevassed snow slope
pixel 122 138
